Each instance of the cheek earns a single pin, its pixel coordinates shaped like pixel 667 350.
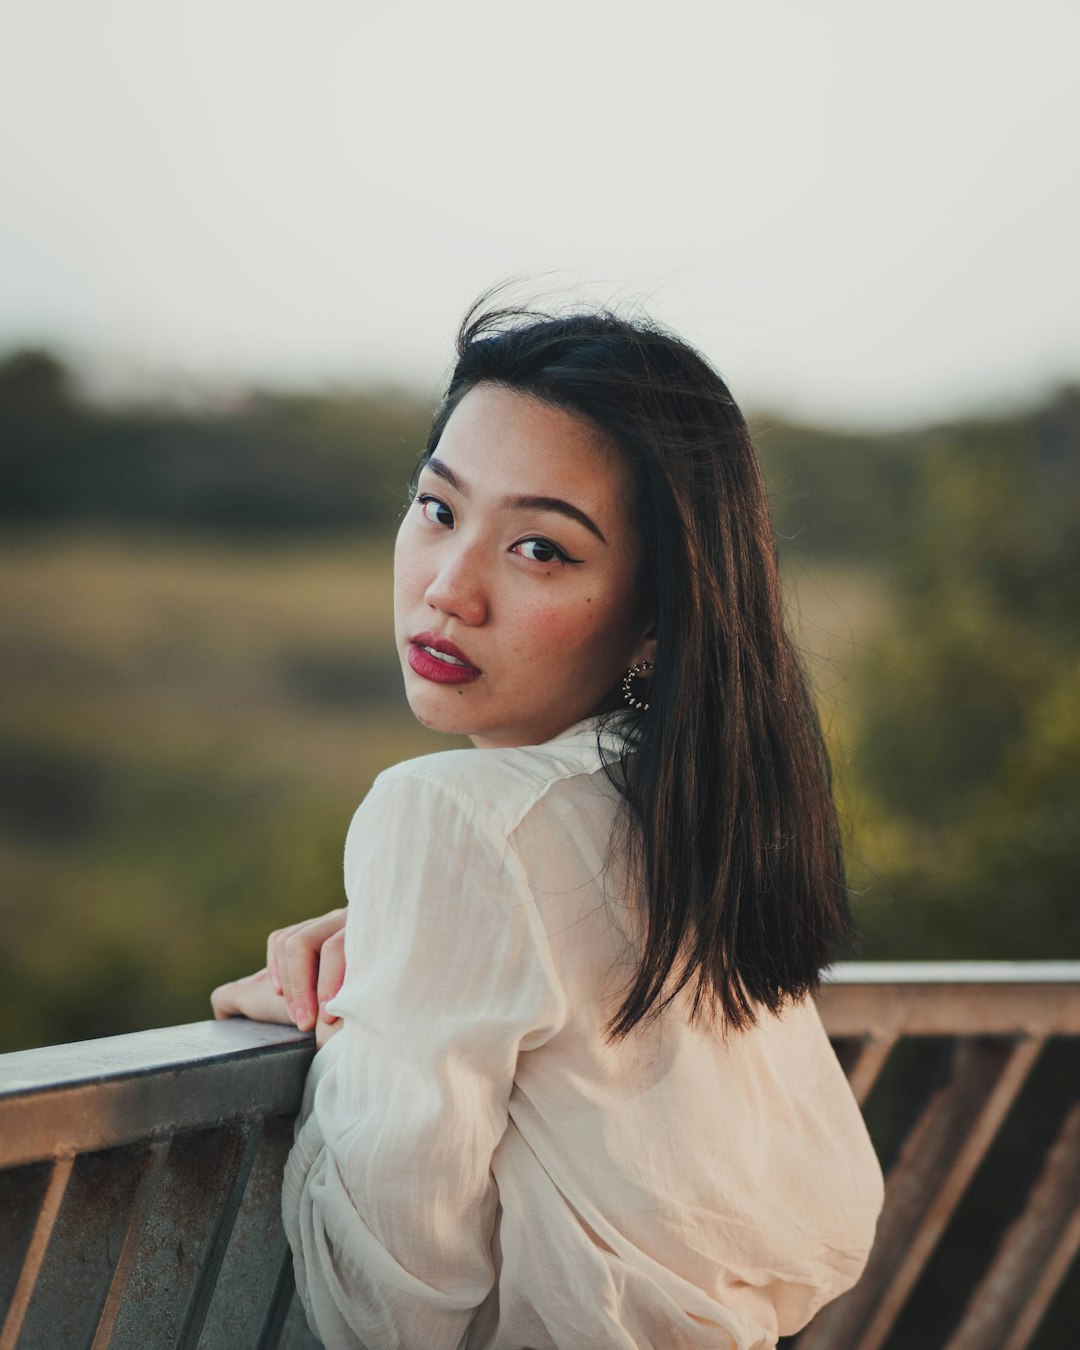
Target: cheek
pixel 592 626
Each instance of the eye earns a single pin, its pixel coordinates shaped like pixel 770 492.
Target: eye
pixel 542 551
pixel 431 508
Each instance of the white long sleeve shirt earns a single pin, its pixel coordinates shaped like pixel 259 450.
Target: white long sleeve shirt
pixel 477 1166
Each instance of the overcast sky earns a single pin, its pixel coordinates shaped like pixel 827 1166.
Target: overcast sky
pixel 864 213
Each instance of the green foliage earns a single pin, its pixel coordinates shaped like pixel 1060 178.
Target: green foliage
pixel 274 462
pixel 137 917
pixel 969 722
pixel 839 496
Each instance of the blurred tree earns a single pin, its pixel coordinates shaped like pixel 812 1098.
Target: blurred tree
pixel 837 496
pixel 272 463
pixel 38 427
pixel 33 382
pixel 969 748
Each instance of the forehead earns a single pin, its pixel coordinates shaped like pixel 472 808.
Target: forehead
pixel 501 441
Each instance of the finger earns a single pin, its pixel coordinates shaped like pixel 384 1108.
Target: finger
pixel 252 996
pixel 226 999
pixel 276 961
pixel 271 960
pixel 275 945
pixel 298 963
pixel 299 972
pixel 218 1003
pixel 331 972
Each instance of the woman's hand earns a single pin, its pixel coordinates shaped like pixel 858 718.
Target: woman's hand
pixel 306 966
pixel 254 996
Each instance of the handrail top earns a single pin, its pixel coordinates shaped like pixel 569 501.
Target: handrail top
pixel 140 1052
pixel 165 1048
pixel 952 972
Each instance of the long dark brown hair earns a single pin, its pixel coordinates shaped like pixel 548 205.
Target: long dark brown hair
pixel 734 840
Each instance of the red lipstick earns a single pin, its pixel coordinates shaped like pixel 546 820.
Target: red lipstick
pixel 428 656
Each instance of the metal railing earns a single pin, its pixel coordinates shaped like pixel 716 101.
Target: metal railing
pixel 978 1128
pixel 140 1190
pixel 140 1175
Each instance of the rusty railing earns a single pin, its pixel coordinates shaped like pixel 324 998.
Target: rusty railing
pixel 969 1076
pixel 140 1190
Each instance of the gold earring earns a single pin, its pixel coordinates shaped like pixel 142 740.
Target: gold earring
pixel 639 669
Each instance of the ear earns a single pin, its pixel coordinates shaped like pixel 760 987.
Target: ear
pixel 646 647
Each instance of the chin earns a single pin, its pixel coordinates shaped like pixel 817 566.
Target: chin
pixel 430 709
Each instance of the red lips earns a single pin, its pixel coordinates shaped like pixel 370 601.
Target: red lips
pixel 422 660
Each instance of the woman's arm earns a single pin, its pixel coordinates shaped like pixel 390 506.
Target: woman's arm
pixel 389 1200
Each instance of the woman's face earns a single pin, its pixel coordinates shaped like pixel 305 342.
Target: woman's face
pixel 515 574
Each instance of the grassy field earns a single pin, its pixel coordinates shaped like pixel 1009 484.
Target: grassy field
pixel 186 728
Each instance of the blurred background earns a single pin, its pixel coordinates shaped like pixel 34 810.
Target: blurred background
pixel 235 242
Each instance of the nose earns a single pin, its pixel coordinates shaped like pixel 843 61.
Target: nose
pixel 457 588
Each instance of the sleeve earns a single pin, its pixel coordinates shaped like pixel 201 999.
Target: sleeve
pixel 389 1200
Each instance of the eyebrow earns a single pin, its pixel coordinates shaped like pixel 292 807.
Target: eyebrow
pixel 520 501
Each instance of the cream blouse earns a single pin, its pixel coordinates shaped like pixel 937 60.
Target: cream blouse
pixel 478 1167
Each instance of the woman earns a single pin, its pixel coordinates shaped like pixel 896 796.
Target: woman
pixel 573 1092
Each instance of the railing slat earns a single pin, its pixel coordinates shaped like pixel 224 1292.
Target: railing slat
pixel 21 1193
pixel 257 1270
pixel 177 1238
pixel 936 1162
pixel 279 1304
pixel 1033 1256
pixel 218 1243
pixel 73 1281
pixel 868 1066
pixel 1047 1285
pixel 141 1205
pixel 973 1141
pixel 35 1252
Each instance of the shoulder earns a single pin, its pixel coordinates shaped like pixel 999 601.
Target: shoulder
pixel 497 788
